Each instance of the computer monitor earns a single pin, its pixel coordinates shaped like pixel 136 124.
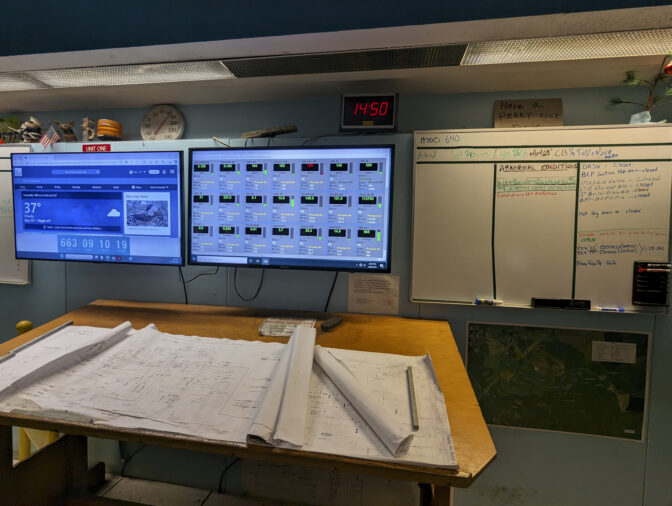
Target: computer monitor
pixel 120 207
pixel 326 208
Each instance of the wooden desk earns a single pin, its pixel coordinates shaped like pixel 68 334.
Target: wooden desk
pixel 404 336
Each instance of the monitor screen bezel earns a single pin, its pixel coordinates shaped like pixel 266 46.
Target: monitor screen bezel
pixel 179 152
pixel 189 199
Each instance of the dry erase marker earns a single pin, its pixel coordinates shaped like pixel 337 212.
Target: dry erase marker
pixel 487 302
pixel 612 309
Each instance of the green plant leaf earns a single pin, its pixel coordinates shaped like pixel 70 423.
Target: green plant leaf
pixel 617 101
pixel 9 122
pixel 636 82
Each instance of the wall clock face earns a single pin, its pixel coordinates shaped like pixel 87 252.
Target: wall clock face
pixel 162 123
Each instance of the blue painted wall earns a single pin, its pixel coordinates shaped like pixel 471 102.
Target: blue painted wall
pixel 533 467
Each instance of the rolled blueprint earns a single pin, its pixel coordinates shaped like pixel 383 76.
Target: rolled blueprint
pixel 393 435
pixel 263 426
pixel 282 414
pixel 38 371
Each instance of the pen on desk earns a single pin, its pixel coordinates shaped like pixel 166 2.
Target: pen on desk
pixel 411 394
pixel 482 301
pixel 36 340
pixel 612 309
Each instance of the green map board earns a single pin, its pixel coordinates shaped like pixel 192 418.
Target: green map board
pixel 570 380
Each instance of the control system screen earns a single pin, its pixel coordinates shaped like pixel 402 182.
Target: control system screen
pixel 311 208
pixel 99 207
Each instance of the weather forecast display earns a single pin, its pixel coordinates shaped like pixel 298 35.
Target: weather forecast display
pixel 300 207
pixel 102 207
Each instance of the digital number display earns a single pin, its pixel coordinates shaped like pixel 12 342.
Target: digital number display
pixel 112 245
pixel 368 112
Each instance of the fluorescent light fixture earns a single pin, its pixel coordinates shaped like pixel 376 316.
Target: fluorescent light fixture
pixel 13 81
pixel 124 75
pixel 570 47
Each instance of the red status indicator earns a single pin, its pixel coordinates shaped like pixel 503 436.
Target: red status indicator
pixel 368 112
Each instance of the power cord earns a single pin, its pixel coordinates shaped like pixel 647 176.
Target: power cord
pixel 184 282
pixel 130 457
pixel 235 285
pixel 342 134
pixel 333 284
pixel 226 469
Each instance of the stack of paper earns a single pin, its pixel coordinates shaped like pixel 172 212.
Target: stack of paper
pixel 297 395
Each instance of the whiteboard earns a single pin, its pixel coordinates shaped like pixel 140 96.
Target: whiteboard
pixel 558 212
pixel 11 270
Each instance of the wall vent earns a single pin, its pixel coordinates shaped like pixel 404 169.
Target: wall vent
pixel 349 61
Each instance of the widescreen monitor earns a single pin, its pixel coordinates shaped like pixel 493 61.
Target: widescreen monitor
pixel 326 208
pixel 119 207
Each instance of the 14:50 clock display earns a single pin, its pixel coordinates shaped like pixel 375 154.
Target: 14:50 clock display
pixel 369 112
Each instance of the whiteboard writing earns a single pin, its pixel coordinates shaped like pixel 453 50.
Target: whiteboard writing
pixel 529 199
pixel 537 153
pixel 623 216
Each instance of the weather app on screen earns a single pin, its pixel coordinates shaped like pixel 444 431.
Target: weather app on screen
pixel 301 207
pixel 122 207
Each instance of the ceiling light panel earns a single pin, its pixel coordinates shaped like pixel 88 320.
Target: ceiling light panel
pixel 571 47
pixel 124 75
pixel 15 81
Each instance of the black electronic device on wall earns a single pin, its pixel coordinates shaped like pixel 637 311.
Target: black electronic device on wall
pixel 650 283
pixel 369 113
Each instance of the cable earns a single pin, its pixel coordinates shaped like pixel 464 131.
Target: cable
pixel 235 285
pixel 342 134
pixel 184 285
pixel 203 274
pixel 205 499
pixel 65 285
pixel 127 460
pixel 184 282
pixel 333 284
pixel 221 477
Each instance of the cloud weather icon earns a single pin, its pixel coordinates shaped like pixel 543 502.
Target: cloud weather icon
pixel 113 214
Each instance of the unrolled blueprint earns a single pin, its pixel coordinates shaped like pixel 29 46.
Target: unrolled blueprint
pixel 213 388
pixel 189 385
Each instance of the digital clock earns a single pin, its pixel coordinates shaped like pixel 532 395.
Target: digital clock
pixel 369 112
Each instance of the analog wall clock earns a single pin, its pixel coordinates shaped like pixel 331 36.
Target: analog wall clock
pixel 162 123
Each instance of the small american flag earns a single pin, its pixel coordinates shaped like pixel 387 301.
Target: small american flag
pixel 50 137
